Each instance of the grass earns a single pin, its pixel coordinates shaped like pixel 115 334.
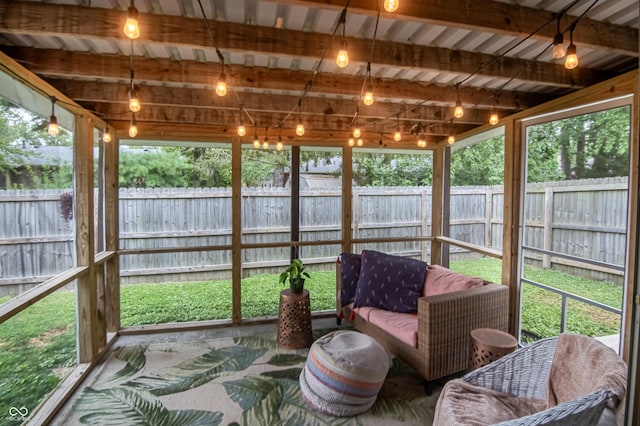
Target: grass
pixel 38 345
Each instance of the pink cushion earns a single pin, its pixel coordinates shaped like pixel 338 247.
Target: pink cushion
pixel 441 280
pixel 403 327
pixel 363 311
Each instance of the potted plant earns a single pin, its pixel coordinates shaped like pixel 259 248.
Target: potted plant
pixel 296 275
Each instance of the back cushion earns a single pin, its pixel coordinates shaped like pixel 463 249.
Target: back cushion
pixel 442 280
pixel 349 272
pixel 389 282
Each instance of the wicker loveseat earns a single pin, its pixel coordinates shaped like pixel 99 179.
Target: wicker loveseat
pixel 444 322
pixel 565 380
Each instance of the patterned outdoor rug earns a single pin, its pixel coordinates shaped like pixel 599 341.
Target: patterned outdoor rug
pixel 228 381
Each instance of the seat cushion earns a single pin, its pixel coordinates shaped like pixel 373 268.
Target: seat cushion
pixel 343 373
pixel 389 282
pixel 403 327
pixel 440 280
pixel 461 403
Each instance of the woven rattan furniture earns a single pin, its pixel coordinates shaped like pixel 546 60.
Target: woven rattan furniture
pixel 294 320
pixel 524 375
pixel 444 325
pixel 488 345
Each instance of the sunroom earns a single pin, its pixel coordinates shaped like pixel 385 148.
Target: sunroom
pixel 184 223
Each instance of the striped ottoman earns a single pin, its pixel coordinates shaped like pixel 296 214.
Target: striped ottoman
pixel 343 373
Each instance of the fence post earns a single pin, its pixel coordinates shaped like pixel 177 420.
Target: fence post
pixel 488 213
pixel 547 233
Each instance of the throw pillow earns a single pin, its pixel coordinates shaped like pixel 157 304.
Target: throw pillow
pixel 390 282
pixel 442 280
pixel 349 272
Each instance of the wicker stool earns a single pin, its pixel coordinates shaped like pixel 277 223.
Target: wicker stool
pixel 294 320
pixel 488 344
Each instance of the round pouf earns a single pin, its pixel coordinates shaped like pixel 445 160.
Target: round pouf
pixel 343 373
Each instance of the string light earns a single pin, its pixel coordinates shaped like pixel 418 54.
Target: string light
pixel 221 86
pixel 451 140
pixel 494 118
pixel 558 43
pixel 131 26
pixel 241 129
pixel 360 142
pixel 351 142
pixel 53 129
pixel 299 125
pixel 342 59
pixel 265 144
pixel 279 145
pixel 256 141
pixel 421 142
pixel 133 128
pixel 368 94
pixel 106 135
pixel 458 112
pixel 397 136
pixel 356 131
pixel 391 5
pixel 572 53
pixel 134 100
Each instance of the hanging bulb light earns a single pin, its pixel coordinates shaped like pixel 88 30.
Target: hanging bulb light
pixel 368 93
pixel 356 131
pixel 106 135
pixel 279 145
pixel 494 118
pixel 458 112
pixel 256 141
pixel 134 100
pixel 360 142
pixel 299 125
pixel 53 129
pixel 131 26
pixel 421 142
pixel 558 44
pixel 242 130
pixel 397 135
pixel 572 53
pixel 133 128
pixel 342 59
pixel 391 5
pixel 351 142
pixel 221 86
pixel 265 144
pixel 451 140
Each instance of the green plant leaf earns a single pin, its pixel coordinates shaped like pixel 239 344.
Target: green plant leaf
pixel 133 356
pixel 201 370
pixel 255 342
pixel 121 405
pixel 283 360
pixel 266 410
pixel 289 374
pixel 250 390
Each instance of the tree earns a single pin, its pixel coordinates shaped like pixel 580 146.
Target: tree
pixel 383 169
pixel 154 168
pixel 478 164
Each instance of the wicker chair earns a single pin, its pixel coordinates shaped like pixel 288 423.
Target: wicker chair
pixel 525 374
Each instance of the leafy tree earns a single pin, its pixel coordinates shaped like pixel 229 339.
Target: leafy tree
pixel 382 169
pixel 478 164
pixel 155 168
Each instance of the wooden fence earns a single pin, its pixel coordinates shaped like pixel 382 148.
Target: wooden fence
pixel 585 219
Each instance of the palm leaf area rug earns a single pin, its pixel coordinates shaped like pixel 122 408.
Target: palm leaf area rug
pixel 228 381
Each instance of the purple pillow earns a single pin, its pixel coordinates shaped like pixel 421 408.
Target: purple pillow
pixel 390 282
pixel 350 270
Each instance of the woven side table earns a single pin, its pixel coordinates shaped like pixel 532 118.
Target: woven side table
pixel 488 344
pixel 294 320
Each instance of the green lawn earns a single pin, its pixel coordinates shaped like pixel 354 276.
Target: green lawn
pixel 37 345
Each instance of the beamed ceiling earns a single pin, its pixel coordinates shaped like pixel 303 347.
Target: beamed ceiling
pixel 281 54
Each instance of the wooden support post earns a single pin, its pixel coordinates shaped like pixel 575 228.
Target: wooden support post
pixel 547 233
pixel 347 198
pixel 295 200
pixel 512 232
pixel 488 215
pixel 424 202
pixel 446 204
pixel 236 236
pixel 112 233
pixel 436 204
pixel 86 291
pixel 101 290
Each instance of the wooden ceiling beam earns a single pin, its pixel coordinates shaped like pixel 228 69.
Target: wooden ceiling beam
pixel 61 64
pixel 498 17
pixel 277 106
pixel 32 18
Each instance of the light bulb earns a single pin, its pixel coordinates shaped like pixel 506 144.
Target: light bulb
pixel 458 112
pixel 265 144
pixel 368 96
pixel 279 146
pixel 422 143
pixel 221 87
pixel 256 141
pixel 342 60
pixel 133 129
pixel 572 57
pixel 351 142
pixel 451 139
pixel 397 136
pixel 356 132
pixel 242 130
pixel 300 129
pixel 558 47
pixel 134 102
pixel 53 127
pixel 493 118
pixel 106 136
pixel 131 26
pixel 391 5
pixel 359 142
